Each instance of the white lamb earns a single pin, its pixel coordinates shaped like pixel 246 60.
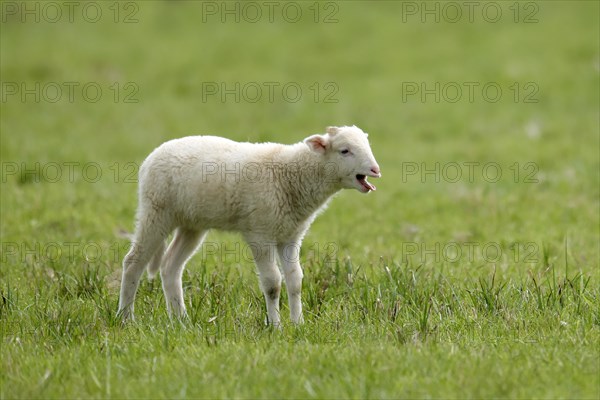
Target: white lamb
pixel 268 192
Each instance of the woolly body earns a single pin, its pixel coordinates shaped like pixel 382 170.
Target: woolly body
pixel 255 189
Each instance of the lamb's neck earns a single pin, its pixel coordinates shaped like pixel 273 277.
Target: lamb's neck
pixel 310 181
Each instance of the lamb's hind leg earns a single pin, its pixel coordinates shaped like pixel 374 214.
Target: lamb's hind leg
pixel 181 248
pixel 147 239
pixel 156 260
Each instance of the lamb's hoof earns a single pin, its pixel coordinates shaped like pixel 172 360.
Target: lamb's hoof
pixel 125 315
pixel 181 317
pixel 276 325
pixel 184 319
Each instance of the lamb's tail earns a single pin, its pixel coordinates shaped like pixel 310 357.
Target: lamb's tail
pixel 156 260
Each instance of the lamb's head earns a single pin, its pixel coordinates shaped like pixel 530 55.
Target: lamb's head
pixel 347 149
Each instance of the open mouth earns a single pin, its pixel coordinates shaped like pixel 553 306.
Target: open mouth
pixel 362 179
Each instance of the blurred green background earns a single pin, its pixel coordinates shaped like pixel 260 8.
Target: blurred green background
pixel 365 58
pixel 355 62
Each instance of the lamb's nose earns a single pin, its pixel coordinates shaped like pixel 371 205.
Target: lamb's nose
pixel 376 171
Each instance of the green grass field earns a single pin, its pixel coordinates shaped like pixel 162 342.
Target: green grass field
pixel 438 285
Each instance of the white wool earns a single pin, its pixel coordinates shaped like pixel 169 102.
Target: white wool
pixel 268 192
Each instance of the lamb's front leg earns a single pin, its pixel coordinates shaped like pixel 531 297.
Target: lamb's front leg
pixel 270 278
pixel 289 254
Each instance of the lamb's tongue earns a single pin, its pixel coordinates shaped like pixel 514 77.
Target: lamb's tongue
pixel 368 184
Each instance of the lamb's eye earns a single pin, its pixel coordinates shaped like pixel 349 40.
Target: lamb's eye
pixel 345 151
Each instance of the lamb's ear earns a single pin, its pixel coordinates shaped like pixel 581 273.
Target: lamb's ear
pixel 332 130
pixel 317 143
